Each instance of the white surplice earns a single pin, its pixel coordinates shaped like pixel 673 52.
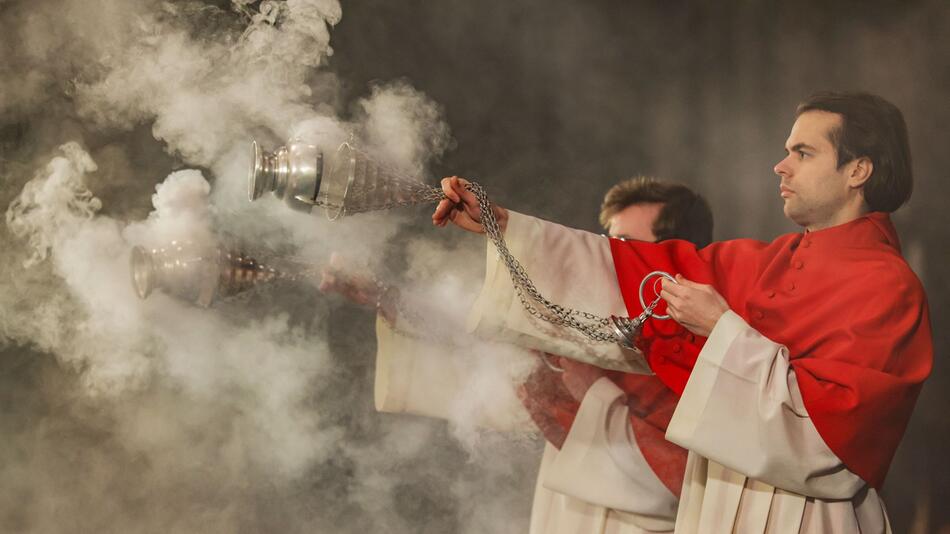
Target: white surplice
pixel 598 482
pixel 756 462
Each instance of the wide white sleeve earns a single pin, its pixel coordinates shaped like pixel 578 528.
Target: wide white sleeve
pixel 742 408
pixel 473 385
pixel 569 267
pixel 601 463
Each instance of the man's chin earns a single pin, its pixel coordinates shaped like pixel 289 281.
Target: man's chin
pixel 792 214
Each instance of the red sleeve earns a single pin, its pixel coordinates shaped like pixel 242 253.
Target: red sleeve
pixel 669 348
pixel 549 404
pixel 860 382
pixel 859 337
pixel 651 406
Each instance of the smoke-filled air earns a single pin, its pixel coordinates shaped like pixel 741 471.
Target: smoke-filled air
pixel 254 412
pixel 178 358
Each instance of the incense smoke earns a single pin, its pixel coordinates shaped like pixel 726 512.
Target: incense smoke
pixel 158 415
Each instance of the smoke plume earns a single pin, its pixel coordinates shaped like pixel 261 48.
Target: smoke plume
pixel 131 123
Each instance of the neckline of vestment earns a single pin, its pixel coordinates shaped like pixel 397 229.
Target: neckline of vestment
pixel 869 230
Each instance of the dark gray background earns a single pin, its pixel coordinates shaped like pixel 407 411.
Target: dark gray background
pixel 549 104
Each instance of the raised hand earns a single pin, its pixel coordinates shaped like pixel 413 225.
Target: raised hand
pixel 461 208
pixel 697 307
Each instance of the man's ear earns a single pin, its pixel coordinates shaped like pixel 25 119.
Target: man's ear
pixel 859 171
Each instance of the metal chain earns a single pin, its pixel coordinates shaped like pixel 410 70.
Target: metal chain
pixel 427 196
pixel 594 327
pixel 419 194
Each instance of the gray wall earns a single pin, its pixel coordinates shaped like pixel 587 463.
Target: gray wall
pixel 551 102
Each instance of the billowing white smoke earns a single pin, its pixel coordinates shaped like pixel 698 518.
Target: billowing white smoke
pixel 54 202
pixel 177 385
pixel 404 126
pixel 122 344
pixel 55 214
pixel 204 95
pixel 182 211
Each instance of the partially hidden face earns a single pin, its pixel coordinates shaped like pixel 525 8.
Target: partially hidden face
pixel 814 188
pixel 635 222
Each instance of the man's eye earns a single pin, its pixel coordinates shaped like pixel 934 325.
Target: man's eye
pixel 802 154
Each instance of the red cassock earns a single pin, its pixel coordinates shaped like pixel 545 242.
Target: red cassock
pixel 843 300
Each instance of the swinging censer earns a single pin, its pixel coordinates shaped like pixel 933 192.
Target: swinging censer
pixel 349 181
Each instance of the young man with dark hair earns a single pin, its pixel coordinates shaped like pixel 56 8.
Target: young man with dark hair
pixel 803 357
pixel 871 127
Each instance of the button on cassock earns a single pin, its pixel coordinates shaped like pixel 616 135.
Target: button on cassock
pixel 770 294
pixel 798 264
pixel 758 314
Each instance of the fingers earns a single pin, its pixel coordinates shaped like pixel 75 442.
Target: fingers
pixel 449 188
pixel 441 215
pixel 467 200
pixel 671 298
pixel 454 189
pixel 674 288
pixel 682 280
pixel 467 196
pixel 464 220
pixel 459 206
pixel 442 212
pixel 682 288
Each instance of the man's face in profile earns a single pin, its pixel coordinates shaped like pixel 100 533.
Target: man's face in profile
pixel 812 185
pixel 635 222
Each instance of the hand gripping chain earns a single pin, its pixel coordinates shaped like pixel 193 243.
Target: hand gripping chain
pixel 614 329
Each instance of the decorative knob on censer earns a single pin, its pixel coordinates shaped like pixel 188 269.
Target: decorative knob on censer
pixel 202 275
pixel 349 181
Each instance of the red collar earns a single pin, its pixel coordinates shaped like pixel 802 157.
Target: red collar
pixel 869 230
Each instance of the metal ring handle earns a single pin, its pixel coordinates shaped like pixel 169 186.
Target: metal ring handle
pixel 643 284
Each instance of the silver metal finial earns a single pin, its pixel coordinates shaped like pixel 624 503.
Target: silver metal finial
pixel 288 172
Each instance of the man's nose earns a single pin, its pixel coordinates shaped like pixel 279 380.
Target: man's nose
pixel 781 168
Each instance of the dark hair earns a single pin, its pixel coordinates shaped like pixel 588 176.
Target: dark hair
pixel 874 128
pixel 684 215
